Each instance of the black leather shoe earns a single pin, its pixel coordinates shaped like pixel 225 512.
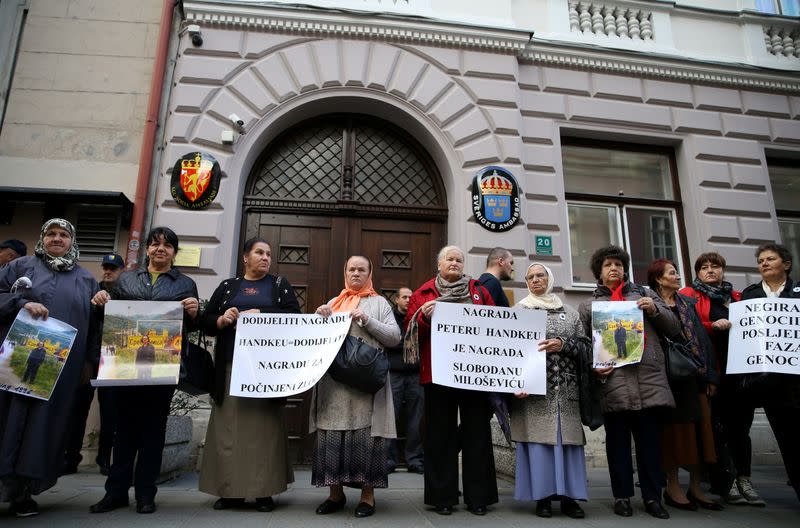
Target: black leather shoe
pixel 364 509
pixel 706 505
pixel 688 506
pixel 571 508
pixel 265 504
pixel 655 509
pixel 544 508
pixel 108 503
pixel 444 510
pixel 224 503
pixel 622 507
pixel 477 510
pixel 420 470
pixel 145 507
pixel 330 506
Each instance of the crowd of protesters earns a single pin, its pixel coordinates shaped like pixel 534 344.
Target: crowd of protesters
pixel 701 423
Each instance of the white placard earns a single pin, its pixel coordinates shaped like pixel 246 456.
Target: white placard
pixel 488 348
pixel 277 355
pixel 764 336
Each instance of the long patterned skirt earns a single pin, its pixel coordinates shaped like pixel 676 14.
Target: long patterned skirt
pixel 349 458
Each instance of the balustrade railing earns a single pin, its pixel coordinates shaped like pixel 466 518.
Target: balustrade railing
pixel 607 19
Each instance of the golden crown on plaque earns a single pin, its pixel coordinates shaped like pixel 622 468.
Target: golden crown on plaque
pixel 192 164
pixel 494 184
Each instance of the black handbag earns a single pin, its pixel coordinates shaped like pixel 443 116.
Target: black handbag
pixel 360 365
pixel 197 368
pixel 681 363
pixel 589 388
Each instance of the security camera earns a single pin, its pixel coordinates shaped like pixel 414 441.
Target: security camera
pixel 194 32
pixel 236 120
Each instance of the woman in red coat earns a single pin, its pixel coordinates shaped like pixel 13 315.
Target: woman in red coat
pixel 714 295
pixel 444 437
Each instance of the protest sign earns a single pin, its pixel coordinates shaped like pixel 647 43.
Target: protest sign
pixel 617 333
pixel 764 336
pixel 33 354
pixel 488 348
pixel 141 343
pixel 278 355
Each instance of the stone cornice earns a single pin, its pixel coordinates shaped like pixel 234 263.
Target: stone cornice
pixel 658 67
pixel 328 23
pixel 391 28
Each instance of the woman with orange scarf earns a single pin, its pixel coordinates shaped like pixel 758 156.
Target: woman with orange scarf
pixel 352 426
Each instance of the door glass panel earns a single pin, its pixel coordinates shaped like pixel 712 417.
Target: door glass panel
pixel 790 235
pixel 651 235
pixel 785 182
pixel 590 227
pixel 616 173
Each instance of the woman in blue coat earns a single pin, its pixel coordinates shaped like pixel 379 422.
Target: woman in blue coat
pixel 49 283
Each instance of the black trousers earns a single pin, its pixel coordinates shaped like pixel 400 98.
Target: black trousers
pixel 105 399
pixel 84 395
pixel 407 392
pixel 782 419
pixel 645 427
pixel 31 369
pixel 141 414
pixel 443 438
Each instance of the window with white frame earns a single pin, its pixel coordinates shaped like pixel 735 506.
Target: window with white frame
pixel 624 195
pixel 779 7
pixel 784 175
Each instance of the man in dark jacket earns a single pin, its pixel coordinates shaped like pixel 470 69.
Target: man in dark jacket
pixel 145 358
pixel 406 390
pixel 113 265
pixel 620 339
pixel 35 360
pixel 499 267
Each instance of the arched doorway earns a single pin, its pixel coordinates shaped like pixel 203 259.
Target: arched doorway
pixel 340 185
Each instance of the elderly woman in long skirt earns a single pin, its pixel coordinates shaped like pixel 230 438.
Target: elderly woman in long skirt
pixel 547 428
pixel 352 426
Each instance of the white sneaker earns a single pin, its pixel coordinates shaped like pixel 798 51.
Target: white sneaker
pixel 734 496
pixel 749 493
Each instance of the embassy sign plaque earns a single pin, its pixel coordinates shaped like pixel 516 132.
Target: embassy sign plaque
pixel 195 180
pixel 495 199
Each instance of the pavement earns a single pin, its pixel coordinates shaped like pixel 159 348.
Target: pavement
pixel 180 504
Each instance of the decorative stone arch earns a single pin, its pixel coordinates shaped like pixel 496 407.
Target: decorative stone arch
pixel 347 164
pixel 420 91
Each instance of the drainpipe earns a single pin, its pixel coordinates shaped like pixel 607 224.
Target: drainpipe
pixel 149 135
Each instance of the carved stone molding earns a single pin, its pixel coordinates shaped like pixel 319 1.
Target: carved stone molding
pixel 550 54
pixel 328 23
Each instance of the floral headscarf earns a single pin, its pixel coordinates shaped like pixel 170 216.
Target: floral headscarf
pixel 66 262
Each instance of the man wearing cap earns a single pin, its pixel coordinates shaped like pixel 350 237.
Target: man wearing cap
pixel 113 266
pixel 12 249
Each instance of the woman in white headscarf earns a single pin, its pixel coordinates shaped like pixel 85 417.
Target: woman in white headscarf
pixel 49 283
pixel 547 428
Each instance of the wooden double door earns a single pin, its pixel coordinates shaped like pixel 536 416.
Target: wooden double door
pixel 310 251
